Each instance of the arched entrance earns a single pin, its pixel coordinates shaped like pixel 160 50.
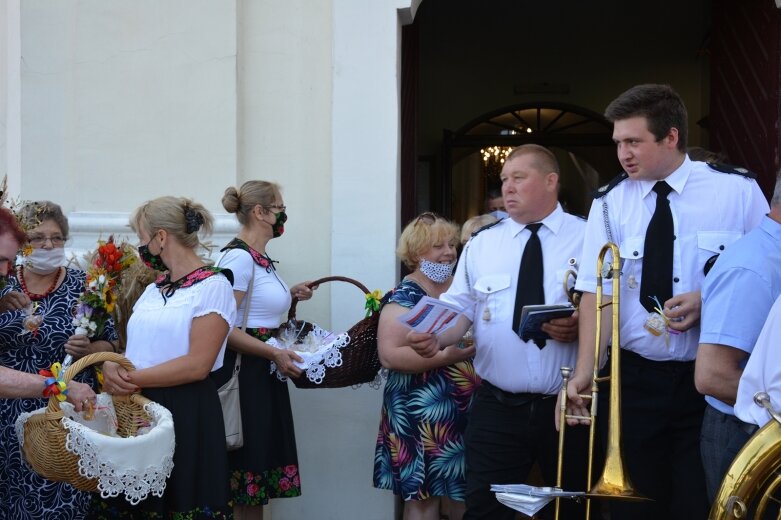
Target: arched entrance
pixel 473 155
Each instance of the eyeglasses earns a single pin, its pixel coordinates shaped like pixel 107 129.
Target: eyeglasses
pixel 280 207
pixel 39 240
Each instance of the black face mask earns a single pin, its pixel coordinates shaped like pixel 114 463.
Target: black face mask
pixel 150 260
pixel 278 227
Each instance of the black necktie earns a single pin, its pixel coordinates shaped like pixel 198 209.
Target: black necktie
pixel 658 253
pixel 529 290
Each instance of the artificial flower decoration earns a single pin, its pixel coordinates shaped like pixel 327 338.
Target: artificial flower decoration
pixel 373 302
pixel 96 303
pixel 32 319
pixel 54 385
pixel 657 323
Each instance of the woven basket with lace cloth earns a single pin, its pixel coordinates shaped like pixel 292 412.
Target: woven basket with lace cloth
pixel 135 459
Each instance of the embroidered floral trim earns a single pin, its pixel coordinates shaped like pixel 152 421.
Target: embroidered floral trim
pixel 202 273
pixel 261 333
pixel 101 510
pixel 259 258
pixel 254 489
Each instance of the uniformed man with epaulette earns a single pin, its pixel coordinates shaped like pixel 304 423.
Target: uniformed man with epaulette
pixel 736 298
pixel 669 216
pixel 520 260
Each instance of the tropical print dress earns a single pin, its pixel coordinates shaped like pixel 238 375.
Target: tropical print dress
pixel 420 444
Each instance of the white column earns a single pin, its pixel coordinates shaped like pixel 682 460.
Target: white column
pixel 10 95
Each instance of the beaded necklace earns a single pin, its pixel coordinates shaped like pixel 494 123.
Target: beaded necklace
pixel 35 296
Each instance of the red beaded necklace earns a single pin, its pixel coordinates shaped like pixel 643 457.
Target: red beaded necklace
pixel 34 296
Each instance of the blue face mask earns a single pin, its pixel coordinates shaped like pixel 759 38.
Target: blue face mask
pixel 499 214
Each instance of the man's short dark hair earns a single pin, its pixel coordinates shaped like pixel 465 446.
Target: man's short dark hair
pixel 660 105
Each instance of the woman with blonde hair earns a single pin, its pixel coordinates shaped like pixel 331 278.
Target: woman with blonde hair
pixel 420 445
pixel 266 466
pixel 176 337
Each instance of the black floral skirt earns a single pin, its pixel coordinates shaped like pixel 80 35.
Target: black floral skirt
pixel 266 466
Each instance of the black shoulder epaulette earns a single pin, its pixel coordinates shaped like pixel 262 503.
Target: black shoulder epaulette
pixel 729 168
pixel 604 190
pixel 487 226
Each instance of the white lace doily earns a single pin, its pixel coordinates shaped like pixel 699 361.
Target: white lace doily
pixel 327 355
pixel 135 466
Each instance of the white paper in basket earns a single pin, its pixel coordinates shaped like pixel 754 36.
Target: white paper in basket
pixel 134 466
pixel 327 355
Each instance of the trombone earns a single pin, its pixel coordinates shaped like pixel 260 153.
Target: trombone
pixel 614 482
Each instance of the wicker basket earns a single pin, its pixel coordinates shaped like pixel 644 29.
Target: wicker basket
pixel 44 434
pixel 360 361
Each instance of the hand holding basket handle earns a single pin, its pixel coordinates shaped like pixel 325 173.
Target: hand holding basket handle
pixel 360 361
pixel 44 434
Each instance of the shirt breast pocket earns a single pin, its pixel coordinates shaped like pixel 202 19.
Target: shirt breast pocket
pixel 710 244
pixel 632 250
pixel 496 297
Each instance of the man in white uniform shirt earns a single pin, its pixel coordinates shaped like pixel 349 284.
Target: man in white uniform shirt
pixel 668 215
pixel 510 425
pixel 762 372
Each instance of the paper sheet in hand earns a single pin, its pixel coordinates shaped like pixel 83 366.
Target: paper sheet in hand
pixel 533 316
pixel 529 499
pixel 431 315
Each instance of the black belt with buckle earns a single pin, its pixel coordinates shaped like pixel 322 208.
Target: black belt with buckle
pixel 509 398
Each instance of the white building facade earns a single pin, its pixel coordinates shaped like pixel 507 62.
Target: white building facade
pixel 107 103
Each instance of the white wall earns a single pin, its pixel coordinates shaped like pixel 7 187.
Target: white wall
pixel 10 92
pixel 123 101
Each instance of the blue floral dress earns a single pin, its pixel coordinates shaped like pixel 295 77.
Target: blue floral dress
pixel 24 494
pixel 420 444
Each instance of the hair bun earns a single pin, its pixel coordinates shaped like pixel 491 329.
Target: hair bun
pixel 193 220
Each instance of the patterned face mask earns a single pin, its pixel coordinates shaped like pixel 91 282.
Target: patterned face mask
pixel 278 227
pixel 150 260
pixel 435 272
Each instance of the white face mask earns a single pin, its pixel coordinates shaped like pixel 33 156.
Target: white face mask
pixel 435 272
pixel 45 261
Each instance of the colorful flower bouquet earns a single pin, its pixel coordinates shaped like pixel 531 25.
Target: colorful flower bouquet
pixel 96 303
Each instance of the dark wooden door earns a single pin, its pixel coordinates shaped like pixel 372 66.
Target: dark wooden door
pixel 745 83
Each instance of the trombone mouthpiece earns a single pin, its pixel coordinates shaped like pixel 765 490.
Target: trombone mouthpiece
pixel 566 372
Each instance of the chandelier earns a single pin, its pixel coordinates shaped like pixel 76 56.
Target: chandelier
pixel 493 160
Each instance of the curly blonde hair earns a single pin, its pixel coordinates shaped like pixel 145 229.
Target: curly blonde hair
pixel 421 234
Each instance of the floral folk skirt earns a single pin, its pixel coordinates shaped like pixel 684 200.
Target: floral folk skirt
pixel 266 466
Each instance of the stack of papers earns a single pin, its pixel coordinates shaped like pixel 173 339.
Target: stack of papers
pixel 533 316
pixel 529 499
pixel 431 315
